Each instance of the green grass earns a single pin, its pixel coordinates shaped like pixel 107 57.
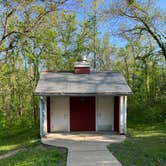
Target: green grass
pixel 14 138
pixel 144 146
pixel 37 155
pixel 33 153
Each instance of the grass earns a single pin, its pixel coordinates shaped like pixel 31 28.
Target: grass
pixel 144 146
pixel 33 153
pixel 37 155
pixel 14 138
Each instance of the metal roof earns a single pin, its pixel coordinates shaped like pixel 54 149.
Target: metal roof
pixel 95 83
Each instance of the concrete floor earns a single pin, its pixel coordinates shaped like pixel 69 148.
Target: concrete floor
pixel 86 148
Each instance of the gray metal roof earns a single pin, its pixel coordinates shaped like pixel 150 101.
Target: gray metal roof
pixel 95 83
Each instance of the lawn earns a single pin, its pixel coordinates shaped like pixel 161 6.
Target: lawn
pixel 37 155
pixel 14 138
pixel 34 153
pixel 144 146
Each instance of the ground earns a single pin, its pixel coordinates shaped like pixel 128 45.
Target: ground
pixel 145 145
pixel 33 153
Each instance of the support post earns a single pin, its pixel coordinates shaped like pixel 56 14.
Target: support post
pixel 43 116
pixel 123 115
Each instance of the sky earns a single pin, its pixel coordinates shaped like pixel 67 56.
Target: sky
pixel 105 26
pixel 162 4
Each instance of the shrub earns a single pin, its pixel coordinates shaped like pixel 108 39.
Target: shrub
pixel 143 112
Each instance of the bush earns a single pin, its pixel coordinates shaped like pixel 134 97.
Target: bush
pixel 142 112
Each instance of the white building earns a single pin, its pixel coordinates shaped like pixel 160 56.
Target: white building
pixel 82 100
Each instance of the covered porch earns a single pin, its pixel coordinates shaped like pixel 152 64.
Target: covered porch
pixel 109 114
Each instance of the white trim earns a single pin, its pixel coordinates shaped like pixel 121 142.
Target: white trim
pixel 120 116
pixel 81 64
pixel 125 115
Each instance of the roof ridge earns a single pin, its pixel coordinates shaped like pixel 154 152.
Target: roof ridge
pixel 70 71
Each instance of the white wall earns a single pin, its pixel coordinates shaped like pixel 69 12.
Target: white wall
pixel 59 113
pixel 104 113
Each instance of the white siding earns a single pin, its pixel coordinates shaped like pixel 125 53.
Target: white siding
pixel 59 113
pixel 104 113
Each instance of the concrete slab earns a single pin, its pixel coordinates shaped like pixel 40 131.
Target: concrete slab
pixel 86 149
pixel 91 158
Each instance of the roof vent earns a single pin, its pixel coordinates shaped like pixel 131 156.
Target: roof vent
pixel 82 66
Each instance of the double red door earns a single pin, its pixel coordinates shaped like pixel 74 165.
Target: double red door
pixel 82 114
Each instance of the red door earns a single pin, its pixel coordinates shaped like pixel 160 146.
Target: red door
pixel 82 114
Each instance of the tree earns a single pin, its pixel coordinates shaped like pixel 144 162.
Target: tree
pixel 35 36
pixel 141 18
pixel 21 56
pixel 20 18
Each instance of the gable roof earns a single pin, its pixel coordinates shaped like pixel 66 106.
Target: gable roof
pixel 95 83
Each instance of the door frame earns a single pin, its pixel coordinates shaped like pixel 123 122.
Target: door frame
pixel 116 113
pixel 48 115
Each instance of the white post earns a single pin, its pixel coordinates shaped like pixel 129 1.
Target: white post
pixel 123 115
pixel 43 116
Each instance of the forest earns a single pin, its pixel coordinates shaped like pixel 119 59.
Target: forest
pixel 49 35
pixel 128 36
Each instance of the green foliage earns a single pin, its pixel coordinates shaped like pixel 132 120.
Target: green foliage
pixel 142 112
pixel 38 38
pixel 15 103
pixel 130 2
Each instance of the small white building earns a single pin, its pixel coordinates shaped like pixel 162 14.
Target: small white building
pixel 82 100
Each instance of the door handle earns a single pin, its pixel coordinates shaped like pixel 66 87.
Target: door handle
pixel 65 116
